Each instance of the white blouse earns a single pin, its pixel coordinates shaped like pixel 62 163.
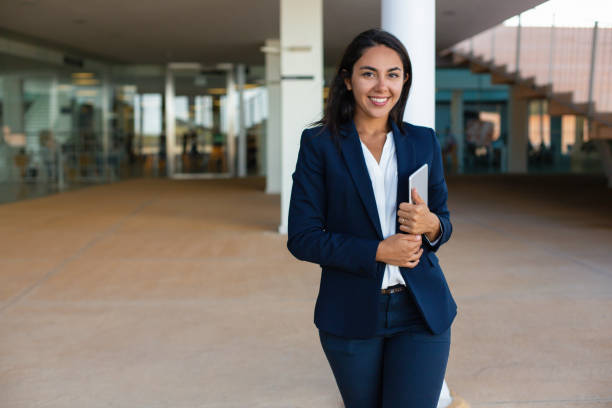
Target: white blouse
pixel 383 175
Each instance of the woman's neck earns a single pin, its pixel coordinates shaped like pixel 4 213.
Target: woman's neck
pixel 368 127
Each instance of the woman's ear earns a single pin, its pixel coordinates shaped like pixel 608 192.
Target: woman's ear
pixel 347 83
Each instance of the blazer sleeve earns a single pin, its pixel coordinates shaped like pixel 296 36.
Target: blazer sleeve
pixel 438 194
pixel 308 238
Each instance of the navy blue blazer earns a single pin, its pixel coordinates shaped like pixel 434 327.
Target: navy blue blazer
pixel 333 221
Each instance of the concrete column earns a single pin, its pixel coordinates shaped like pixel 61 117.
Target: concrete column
pixel 170 122
pixel 555 139
pixel 414 23
pixel 230 114
pixel 301 28
pixel 457 126
pixel 518 119
pixel 242 145
pixel 13 104
pixel 273 129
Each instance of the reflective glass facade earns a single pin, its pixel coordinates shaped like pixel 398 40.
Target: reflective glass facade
pixel 68 124
pixel 65 126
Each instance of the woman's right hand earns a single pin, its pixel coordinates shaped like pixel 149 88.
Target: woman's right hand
pixel 400 250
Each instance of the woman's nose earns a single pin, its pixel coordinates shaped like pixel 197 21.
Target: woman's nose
pixel 381 83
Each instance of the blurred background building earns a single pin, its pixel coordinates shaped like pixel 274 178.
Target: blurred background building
pixel 93 94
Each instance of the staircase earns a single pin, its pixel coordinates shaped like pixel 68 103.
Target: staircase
pixel 570 67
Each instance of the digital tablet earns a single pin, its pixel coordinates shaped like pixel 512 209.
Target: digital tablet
pixel 419 180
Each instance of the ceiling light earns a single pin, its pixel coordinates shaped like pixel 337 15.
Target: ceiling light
pixel 82 75
pixel 86 82
pixel 216 91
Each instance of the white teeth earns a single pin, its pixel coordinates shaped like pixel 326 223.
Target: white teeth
pixel 379 100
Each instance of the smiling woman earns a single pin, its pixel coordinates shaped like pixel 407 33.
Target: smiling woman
pixel 384 308
pixel 376 82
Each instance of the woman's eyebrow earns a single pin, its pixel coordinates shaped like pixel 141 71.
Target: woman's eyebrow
pixel 374 69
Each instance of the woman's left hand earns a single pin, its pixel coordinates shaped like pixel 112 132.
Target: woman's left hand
pixel 417 219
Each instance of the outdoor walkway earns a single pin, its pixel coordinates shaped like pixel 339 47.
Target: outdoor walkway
pixel 157 293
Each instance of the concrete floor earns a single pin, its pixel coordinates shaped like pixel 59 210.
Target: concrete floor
pixel 157 293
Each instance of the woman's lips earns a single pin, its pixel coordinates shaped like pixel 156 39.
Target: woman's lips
pixel 379 101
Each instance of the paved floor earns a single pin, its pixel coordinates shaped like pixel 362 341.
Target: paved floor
pixel 157 293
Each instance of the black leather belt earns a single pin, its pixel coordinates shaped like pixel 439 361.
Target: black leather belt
pixel 393 289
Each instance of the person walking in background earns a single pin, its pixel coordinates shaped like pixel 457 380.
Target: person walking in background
pixel 384 309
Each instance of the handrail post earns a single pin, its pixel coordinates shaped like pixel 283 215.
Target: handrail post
pixel 493 45
pixel 517 57
pixel 552 51
pixel 592 77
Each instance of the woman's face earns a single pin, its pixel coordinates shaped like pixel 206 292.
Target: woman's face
pixel 376 82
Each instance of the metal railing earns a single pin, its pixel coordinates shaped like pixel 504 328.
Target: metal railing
pixel 67 158
pixel 575 63
pixel 570 66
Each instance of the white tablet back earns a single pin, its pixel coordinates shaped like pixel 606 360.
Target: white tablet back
pixel 419 179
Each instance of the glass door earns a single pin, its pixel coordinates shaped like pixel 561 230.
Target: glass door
pixel 197 135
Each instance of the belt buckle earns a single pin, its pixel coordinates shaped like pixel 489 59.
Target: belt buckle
pixel 391 290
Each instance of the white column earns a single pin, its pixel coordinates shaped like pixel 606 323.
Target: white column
pixel 230 114
pixel 170 122
pixel 301 28
pixel 242 145
pixel 517 132
pixel 414 23
pixel 457 127
pixel 273 130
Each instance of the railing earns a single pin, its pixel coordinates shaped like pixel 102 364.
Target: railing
pixel 67 158
pixel 575 62
pixel 570 66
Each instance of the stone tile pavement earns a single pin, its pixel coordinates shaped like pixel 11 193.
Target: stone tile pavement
pixel 159 293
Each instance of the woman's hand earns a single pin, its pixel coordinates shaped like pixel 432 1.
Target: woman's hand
pixel 400 250
pixel 417 219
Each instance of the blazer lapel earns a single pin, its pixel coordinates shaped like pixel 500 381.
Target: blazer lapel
pixel 406 162
pixel 355 162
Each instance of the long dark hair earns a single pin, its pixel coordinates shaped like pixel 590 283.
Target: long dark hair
pixel 340 106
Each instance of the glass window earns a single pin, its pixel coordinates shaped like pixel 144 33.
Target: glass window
pixel 152 114
pixel 204 111
pixel 181 108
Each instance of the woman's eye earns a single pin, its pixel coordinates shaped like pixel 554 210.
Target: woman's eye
pixel 393 75
pixel 368 74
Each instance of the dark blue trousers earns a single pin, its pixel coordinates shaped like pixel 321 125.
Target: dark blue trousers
pixel 401 367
